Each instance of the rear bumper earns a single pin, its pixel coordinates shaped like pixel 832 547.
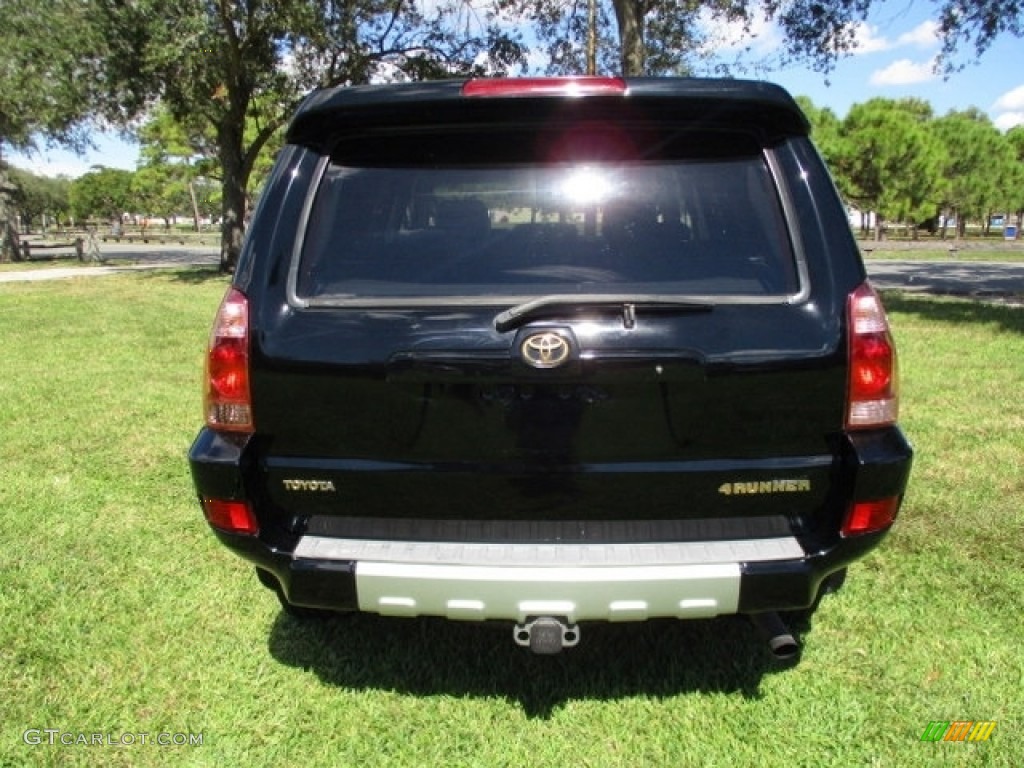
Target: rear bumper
pixel 581 581
pixel 627 582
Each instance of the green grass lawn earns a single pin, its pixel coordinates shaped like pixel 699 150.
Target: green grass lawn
pixel 122 615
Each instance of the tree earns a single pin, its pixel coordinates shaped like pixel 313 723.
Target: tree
pixel 38 198
pixel 47 85
pixel 978 158
pixel 833 144
pixel 238 69
pixel 658 37
pixel 826 128
pixel 892 161
pixel 651 37
pixel 1015 138
pixel 102 192
pixel 159 191
pixel 178 159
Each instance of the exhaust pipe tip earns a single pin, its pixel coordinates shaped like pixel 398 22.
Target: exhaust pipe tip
pixel 781 642
pixel 784 647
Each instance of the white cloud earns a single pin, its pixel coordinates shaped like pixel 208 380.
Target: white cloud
pixel 1010 107
pixel 762 38
pixel 904 72
pixel 924 35
pixel 537 60
pixel 1008 120
pixel 1011 100
pixel 765 37
pixel 70 168
pixel 867 40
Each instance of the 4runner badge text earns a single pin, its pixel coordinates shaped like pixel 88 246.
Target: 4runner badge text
pixel 309 485
pixel 801 485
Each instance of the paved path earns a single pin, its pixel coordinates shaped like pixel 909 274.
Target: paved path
pixel 978 279
pixel 144 256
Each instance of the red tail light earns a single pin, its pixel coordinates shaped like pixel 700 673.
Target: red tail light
pixel 870 516
pixel 545 86
pixel 228 406
pixel 872 391
pixel 231 516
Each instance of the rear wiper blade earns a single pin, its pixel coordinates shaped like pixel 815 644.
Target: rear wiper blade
pixel 572 304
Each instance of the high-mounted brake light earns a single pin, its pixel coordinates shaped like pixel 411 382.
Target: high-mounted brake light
pixel 545 86
pixel 227 402
pixel 872 390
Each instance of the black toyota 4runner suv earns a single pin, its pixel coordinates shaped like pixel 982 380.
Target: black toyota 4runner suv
pixel 551 351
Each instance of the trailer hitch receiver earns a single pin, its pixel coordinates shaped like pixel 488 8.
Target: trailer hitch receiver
pixel 546 635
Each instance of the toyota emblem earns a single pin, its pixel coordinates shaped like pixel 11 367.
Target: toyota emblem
pixel 545 350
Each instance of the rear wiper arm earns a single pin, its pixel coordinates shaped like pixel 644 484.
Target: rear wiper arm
pixel 572 304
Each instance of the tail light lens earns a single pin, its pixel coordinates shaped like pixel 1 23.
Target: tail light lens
pixel 870 516
pixel 231 516
pixel 227 403
pixel 872 391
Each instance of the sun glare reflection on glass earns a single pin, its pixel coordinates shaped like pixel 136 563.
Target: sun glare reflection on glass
pixel 586 186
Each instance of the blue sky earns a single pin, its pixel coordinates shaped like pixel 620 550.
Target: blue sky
pixel 894 59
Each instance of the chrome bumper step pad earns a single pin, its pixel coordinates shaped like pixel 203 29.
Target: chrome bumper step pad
pixel 580 582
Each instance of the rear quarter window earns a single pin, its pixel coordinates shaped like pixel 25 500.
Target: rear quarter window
pixel 492 217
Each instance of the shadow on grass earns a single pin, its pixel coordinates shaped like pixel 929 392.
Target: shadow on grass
pixel 427 656
pixel 201 275
pixel 189 274
pixel 956 311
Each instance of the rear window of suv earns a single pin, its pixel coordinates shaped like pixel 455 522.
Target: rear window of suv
pixel 487 217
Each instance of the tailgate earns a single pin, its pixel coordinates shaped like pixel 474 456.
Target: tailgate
pixel 673 419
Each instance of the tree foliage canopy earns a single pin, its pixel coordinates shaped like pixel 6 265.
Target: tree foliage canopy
pixel 178 169
pixel 234 71
pixel 979 170
pixel 39 200
pixel 46 81
pixel 102 193
pixel 231 72
pixel 659 37
pixel 895 158
pixel 891 161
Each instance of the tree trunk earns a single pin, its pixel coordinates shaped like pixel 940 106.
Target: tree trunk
pixel 195 205
pixel 230 140
pixel 10 250
pixel 592 37
pixel 9 247
pixel 630 16
pixel 232 227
